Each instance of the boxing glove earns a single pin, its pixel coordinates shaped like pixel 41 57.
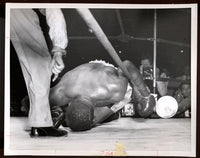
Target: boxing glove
pixel 141 93
pixel 57 116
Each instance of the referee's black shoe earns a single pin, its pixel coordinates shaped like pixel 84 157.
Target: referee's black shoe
pixel 47 131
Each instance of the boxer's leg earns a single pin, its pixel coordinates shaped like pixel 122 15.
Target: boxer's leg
pixel 141 92
pixel 35 61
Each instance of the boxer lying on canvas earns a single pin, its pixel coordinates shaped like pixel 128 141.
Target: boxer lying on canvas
pixel 92 92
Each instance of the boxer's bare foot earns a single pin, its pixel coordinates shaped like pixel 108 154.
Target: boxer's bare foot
pixel 47 131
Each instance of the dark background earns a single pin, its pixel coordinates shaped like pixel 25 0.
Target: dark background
pixel 173 25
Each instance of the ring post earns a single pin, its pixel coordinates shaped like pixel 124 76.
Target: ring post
pixel 154 51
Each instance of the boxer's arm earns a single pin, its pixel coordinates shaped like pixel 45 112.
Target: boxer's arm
pixel 141 93
pixel 101 114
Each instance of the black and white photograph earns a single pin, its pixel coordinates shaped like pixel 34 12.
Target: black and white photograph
pixel 100 79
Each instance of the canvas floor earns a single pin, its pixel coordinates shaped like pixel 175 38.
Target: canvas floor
pixel 130 136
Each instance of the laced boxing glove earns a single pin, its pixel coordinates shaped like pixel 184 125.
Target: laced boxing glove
pixel 141 93
pixel 145 105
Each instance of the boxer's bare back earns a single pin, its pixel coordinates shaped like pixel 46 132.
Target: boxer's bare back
pixel 102 84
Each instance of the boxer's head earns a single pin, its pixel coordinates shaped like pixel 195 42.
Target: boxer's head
pixel 80 114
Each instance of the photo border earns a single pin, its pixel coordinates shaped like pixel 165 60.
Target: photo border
pixel 111 6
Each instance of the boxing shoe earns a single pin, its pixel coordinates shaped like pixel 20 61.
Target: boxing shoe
pixel 47 131
pixel 146 106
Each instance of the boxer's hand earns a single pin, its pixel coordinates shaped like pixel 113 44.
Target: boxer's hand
pixel 57 65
